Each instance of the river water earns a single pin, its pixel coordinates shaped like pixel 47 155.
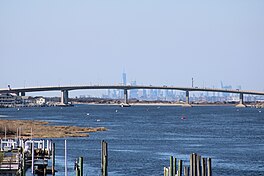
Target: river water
pixel 142 138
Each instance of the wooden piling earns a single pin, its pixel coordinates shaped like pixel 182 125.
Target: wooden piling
pixel 23 163
pixel 166 171
pixel 186 171
pixel 198 165
pixel 104 159
pixel 76 167
pixel 180 168
pixel 81 166
pixel 194 164
pixel 203 166
pixel 175 167
pixel 209 168
pixel 191 165
pixel 171 166
pixel 53 158
pixel 32 157
pixel 65 158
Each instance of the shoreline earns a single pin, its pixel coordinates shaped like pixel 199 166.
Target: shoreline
pixel 154 104
pixel 42 129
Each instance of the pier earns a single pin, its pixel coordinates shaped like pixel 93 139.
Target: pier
pixel 19 155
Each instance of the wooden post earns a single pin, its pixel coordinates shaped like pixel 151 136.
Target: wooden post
pixel 186 171
pixel 32 157
pixel 198 165
pixel 76 167
pixel 194 164
pixel 104 159
pixel 5 132
pixel 180 168
pixel 65 159
pixel 53 158
pixel 191 165
pixel 203 166
pixel 166 171
pixel 209 168
pixel 171 166
pixel 23 163
pixel 81 166
pixel 175 167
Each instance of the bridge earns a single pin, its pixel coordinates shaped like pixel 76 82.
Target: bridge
pixel 65 91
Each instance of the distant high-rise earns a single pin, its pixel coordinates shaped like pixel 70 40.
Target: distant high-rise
pixel 124 79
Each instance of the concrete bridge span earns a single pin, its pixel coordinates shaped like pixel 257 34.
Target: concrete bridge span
pixel 65 90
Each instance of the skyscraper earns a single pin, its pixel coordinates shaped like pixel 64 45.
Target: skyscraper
pixel 124 79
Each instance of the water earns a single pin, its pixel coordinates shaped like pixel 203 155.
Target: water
pixel 141 138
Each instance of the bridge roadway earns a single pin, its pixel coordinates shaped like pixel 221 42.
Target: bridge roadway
pixel 66 89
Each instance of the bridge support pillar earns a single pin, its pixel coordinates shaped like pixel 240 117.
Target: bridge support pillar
pixel 187 102
pixel 125 104
pixel 22 93
pixel 64 97
pixel 241 101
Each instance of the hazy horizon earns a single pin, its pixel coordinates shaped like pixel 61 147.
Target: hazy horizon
pixel 155 42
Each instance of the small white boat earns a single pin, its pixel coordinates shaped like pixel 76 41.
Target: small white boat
pixel 124 105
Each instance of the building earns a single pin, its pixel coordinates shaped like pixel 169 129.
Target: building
pixel 9 100
pixel 133 92
pixel 124 79
pixel 40 101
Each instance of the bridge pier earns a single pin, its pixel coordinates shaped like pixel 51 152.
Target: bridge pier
pixel 241 101
pixel 22 93
pixel 64 97
pixel 125 104
pixel 187 102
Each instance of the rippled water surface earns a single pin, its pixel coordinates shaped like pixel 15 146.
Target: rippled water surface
pixel 141 138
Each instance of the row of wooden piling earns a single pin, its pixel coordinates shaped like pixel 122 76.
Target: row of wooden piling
pixel 198 167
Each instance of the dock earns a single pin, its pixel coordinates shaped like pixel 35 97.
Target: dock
pixel 19 155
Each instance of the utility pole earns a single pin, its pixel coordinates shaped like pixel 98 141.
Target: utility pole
pixel 192 82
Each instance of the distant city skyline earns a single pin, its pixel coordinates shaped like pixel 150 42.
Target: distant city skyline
pixel 159 43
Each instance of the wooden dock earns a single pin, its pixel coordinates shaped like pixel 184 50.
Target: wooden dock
pixel 18 155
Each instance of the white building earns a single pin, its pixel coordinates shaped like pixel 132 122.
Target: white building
pixel 40 101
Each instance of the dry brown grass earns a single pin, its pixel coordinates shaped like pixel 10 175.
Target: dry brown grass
pixel 41 129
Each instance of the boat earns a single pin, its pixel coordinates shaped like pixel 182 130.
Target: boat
pixel 124 105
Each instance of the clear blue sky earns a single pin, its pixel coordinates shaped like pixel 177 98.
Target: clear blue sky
pixel 156 42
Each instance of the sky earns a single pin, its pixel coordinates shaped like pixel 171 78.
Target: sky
pixel 157 42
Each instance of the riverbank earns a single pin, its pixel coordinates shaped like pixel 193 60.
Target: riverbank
pixel 42 129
